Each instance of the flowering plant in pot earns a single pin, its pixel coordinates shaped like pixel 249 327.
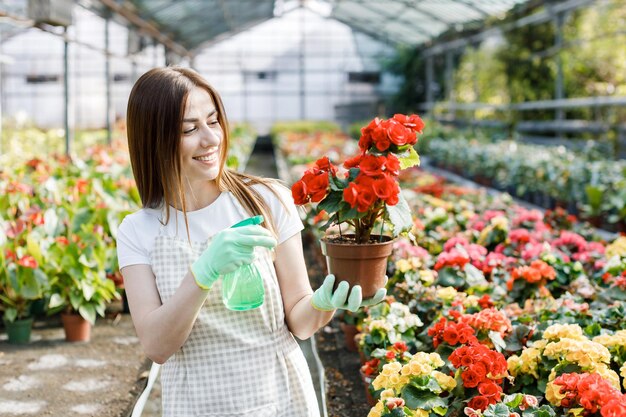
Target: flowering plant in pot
pixel 22 280
pixel 361 195
pixel 79 287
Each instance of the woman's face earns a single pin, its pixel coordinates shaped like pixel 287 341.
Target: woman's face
pixel 201 137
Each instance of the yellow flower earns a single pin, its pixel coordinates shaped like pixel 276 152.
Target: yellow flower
pixel 585 353
pixel 617 248
pixel 403 265
pixel 500 222
pixel 622 372
pixel 392 368
pixel 377 410
pixel 447 293
pixel 446 382
pixel 610 340
pixel 526 363
pixel 553 394
pixel 388 393
pixel 421 413
pixel 435 359
pixel 427 276
pixel 559 331
pixel 471 301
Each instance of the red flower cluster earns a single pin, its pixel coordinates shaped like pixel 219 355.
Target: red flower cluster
pixel 481 368
pixel 488 320
pixel 371 367
pixel 538 272
pixel 313 186
pixel 452 258
pixel 376 180
pixel 591 392
pixel 400 130
pixel 496 260
pixel 451 333
pixel 570 242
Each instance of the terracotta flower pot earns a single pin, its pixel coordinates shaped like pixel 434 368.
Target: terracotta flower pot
pixel 77 329
pixel 349 331
pixel 362 264
pixel 367 379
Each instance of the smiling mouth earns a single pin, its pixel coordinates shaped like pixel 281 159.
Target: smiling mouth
pixel 207 158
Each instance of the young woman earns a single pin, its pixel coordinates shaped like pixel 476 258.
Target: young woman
pixel 174 251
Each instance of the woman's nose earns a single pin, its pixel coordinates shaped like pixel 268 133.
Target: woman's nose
pixel 210 136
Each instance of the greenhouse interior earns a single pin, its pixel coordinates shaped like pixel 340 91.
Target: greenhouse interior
pixel 423 207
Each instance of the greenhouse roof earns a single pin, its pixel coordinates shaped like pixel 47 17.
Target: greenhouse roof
pixel 414 22
pixel 192 23
pixel 185 26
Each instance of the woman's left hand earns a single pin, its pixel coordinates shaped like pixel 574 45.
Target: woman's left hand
pixel 325 299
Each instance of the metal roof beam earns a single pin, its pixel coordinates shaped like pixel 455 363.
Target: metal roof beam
pixel 393 18
pixel 146 26
pixel 473 6
pixel 353 23
pixel 415 5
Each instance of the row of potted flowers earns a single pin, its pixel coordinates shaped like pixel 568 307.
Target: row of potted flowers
pixel 482 305
pixel 547 176
pixel 58 221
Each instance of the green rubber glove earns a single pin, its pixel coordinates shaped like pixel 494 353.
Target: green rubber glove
pixel 230 249
pixel 325 299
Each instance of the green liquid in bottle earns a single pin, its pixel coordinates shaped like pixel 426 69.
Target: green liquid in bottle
pixel 243 289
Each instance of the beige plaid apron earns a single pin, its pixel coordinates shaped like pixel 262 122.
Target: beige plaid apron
pixel 234 363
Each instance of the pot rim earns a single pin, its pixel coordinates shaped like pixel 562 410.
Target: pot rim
pixel 386 240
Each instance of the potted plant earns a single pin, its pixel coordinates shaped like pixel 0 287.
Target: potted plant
pixel 21 283
pixel 365 193
pixel 22 280
pixel 79 288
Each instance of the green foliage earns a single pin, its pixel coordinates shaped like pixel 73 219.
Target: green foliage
pixel 304 126
pixel 409 65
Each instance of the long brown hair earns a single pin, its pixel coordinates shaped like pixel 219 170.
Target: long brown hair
pixel 154 119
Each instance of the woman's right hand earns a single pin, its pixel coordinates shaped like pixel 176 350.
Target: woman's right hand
pixel 228 250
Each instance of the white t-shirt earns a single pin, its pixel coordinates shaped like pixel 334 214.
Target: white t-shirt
pixel 138 231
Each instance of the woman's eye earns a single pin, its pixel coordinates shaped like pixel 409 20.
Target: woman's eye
pixel 188 131
pixel 213 122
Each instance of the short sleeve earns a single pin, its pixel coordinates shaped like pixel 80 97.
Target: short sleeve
pixel 285 212
pixel 129 249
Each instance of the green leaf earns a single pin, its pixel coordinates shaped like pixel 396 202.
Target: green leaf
pixel 513 400
pixel 497 340
pixel 88 290
pixel 75 300
pixel 474 276
pixel 416 398
pixel 88 312
pixel 594 196
pixel 56 301
pixel 497 410
pixel 10 314
pixel 33 248
pixel 30 286
pixel 331 202
pixel 448 277
pixel 410 161
pixel 440 410
pixel 82 216
pixel 400 216
pixel 336 183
